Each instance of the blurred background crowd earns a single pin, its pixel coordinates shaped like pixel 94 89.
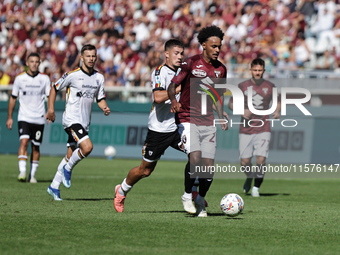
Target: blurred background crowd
pixel 129 35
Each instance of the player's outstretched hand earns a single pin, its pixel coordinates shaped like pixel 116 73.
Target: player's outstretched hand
pixel 106 111
pixel 225 115
pixel 50 116
pixel 9 124
pixel 175 106
pixel 276 115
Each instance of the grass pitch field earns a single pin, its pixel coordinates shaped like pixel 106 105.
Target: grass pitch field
pixel 293 216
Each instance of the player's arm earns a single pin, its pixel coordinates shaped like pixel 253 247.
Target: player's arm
pixel 231 105
pixel 50 115
pixel 102 104
pixel 221 114
pixel 175 106
pixel 276 114
pixel 162 95
pixel 11 105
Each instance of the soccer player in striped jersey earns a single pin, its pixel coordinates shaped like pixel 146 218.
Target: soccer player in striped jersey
pixel 83 85
pixel 162 128
pixel 31 87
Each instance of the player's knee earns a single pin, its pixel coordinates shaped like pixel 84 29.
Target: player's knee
pixel 87 149
pixel 24 143
pixel 195 159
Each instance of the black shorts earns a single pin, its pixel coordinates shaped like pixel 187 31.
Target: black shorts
pixel 156 143
pixel 34 132
pixel 76 134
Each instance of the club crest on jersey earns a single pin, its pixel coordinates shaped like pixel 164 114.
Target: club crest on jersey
pixel 265 90
pixel 217 73
pixel 199 73
pixel 97 82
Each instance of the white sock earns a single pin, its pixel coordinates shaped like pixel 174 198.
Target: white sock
pixel 62 163
pixel 199 199
pixel 124 188
pixel 187 195
pixel 34 167
pixel 57 180
pixel 74 159
pixel 22 163
pixel 255 188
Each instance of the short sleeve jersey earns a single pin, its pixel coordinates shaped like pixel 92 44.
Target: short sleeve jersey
pixel 81 90
pixel 160 118
pixel 262 96
pixel 195 73
pixel 31 91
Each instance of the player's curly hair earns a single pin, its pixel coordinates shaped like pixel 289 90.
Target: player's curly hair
pixel 209 31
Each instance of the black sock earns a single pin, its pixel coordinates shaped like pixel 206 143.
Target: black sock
pixel 259 175
pixel 189 179
pixel 205 185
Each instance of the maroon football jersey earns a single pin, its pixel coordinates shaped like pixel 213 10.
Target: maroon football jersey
pixel 198 79
pixel 262 96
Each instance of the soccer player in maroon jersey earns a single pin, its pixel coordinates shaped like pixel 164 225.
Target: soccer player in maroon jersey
pixel 197 77
pixel 254 135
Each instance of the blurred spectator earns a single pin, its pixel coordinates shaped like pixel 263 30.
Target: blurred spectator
pixel 4 78
pixel 285 65
pixel 301 52
pixel 326 61
pixel 237 31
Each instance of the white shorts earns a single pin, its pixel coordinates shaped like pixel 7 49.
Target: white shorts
pixel 198 138
pixel 255 144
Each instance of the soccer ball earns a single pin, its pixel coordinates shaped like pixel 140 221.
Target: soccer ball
pixel 110 152
pixel 232 204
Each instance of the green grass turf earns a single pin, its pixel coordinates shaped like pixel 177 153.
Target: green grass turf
pixel 293 216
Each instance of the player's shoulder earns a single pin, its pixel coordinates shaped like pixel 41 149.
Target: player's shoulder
pixel 44 75
pixel 73 72
pixel 21 75
pixel 245 83
pixel 158 70
pixel 268 83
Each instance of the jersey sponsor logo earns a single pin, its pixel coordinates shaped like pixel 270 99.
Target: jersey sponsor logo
pixel 217 73
pixel 199 73
pixel 32 86
pixel 199 66
pixel 32 93
pixel 85 94
pixel 89 86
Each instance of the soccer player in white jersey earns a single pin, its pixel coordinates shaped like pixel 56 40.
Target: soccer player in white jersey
pixel 83 85
pixel 30 87
pixel 162 129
